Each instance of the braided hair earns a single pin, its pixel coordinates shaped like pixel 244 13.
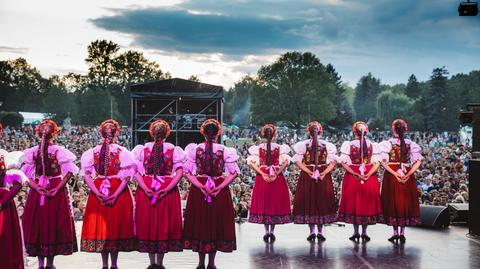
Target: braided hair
pixel 313 130
pixel 268 133
pixel 360 132
pixel 211 132
pixel 399 127
pixel 157 159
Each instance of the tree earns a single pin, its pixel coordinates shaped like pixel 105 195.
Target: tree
pixel 366 93
pixel 413 87
pixel 238 103
pixel 131 67
pixel 14 119
pixel 93 106
pixel 436 100
pixel 343 109
pixel 101 63
pixel 296 88
pixel 194 78
pixel 391 105
pixel 57 101
pixel 20 86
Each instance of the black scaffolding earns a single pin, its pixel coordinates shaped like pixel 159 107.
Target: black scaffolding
pixel 184 104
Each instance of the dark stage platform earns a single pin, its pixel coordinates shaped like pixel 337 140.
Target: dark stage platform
pixel 449 248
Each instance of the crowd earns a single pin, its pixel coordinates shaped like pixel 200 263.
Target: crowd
pixel 442 179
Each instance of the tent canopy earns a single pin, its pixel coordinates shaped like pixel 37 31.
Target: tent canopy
pixel 176 87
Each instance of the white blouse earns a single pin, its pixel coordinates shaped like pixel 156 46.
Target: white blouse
pixel 345 151
pixel 301 148
pixel 254 152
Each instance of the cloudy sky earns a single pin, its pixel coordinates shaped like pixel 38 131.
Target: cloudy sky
pixel 222 40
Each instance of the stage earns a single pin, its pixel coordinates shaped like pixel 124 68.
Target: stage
pixel 425 248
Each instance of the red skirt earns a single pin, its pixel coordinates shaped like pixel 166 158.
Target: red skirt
pixel 400 202
pixel 159 226
pixel 11 253
pixel 270 201
pixel 49 230
pixel 209 227
pixel 108 228
pixel 314 201
pixel 360 203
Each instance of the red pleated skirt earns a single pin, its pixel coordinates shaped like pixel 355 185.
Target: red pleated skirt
pixel 108 228
pixel 360 203
pixel 270 201
pixel 209 227
pixel 11 252
pixel 400 202
pixel 159 226
pixel 314 201
pixel 49 230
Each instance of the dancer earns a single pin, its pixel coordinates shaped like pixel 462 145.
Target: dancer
pixel 48 225
pixel 158 213
pixel 360 198
pixel 270 198
pixel 108 225
pixel 11 179
pixel 399 194
pixel 314 202
pixel 209 217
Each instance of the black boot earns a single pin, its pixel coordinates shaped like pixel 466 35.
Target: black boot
pixel 354 238
pixel 321 237
pixel 393 239
pixel 311 238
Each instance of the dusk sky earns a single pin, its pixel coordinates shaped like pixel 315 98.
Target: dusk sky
pixel 222 40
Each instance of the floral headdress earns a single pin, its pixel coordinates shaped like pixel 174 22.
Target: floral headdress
pixel 52 123
pixel 211 121
pixel 399 121
pixel 355 126
pixel 269 125
pixel 114 122
pixel 159 122
pixel 320 127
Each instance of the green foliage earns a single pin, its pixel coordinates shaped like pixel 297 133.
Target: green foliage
pixel 238 103
pixel 296 88
pixel 366 93
pixel 436 100
pixel 14 119
pixel 392 105
pixel 413 89
pixel 343 108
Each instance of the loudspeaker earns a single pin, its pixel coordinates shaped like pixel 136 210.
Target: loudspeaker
pixel 474 195
pixel 434 216
pixel 458 213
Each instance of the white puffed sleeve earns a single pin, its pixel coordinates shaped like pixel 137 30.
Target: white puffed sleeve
pixel 385 147
pixel 13 162
pixel 137 155
pixel 253 155
pixel 178 158
pixel 284 154
pixel 128 166
pixel 331 152
pixel 230 157
pixel 345 153
pixel 300 149
pixel 190 164
pixel 29 162
pixel 66 159
pixel 415 152
pixel 87 164
pixel 377 153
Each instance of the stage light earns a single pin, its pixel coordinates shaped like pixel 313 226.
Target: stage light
pixel 468 8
